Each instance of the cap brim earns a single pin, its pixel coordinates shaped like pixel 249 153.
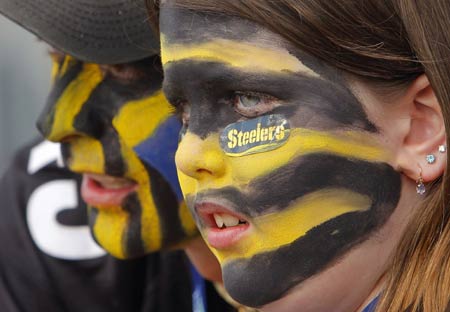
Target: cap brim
pixel 105 32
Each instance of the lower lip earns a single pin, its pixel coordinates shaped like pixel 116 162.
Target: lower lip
pixel 98 196
pixel 227 237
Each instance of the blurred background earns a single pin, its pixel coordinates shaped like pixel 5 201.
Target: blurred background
pixel 24 83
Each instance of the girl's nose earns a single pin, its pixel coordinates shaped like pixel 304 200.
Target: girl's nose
pixel 200 158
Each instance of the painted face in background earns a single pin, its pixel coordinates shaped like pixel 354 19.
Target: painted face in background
pixel 279 161
pixel 117 129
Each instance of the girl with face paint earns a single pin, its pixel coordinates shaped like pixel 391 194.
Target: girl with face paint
pixel 311 131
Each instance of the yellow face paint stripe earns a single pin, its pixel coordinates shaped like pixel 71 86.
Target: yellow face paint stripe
pixel 310 211
pixel 86 154
pixel 72 100
pixel 150 223
pixel 109 229
pixel 187 222
pixel 55 70
pixel 349 144
pixel 135 130
pixel 236 54
pixel 65 65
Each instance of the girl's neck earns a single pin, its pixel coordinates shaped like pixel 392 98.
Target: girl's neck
pixel 376 291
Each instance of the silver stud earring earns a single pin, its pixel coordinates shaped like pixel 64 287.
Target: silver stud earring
pixel 420 188
pixel 430 159
pixel 442 148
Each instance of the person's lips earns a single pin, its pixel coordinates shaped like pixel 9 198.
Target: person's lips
pixel 223 227
pixel 102 191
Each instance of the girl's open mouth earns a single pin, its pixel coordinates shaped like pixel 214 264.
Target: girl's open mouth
pixel 222 226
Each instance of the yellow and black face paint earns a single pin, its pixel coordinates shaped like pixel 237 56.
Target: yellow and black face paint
pixel 309 200
pixel 118 123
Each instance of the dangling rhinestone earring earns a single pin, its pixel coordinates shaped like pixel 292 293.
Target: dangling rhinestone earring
pixel 420 188
pixel 442 148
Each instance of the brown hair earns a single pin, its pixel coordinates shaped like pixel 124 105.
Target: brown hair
pixel 388 43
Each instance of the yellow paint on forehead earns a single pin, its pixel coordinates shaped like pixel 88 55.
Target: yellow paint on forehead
pixel 237 54
pixel 137 120
pixel 109 230
pixel 272 231
pixel 86 156
pixel 151 233
pixel 72 100
pixel 239 171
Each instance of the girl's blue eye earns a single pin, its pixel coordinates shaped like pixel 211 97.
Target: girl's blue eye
pixel 248 100
pixel 252 104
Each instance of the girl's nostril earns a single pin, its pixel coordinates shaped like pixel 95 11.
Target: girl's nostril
pixel 203 171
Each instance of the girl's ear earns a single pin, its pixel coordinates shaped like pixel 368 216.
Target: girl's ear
pixel 426 133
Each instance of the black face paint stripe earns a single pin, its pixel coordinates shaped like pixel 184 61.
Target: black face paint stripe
pixel 114 161
pixel 46 118
pixel 331 171
pixel 167 207
pixel 132 238
pixel 305 257
pixel 209 88
pixel 65 152
pixel 190 22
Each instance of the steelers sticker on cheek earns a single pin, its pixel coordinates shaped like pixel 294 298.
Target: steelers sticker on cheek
pixel 256 135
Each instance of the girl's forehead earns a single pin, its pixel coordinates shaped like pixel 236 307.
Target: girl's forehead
pixel 183 26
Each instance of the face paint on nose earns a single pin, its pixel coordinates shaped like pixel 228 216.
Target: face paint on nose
pixel 106 123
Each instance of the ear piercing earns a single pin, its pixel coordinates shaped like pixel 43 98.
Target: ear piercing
pixel 431 159
pixel 420 188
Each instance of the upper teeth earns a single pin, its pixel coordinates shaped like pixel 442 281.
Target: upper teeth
pixel 225 220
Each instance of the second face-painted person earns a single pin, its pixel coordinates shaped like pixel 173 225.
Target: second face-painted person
pixel 117 129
